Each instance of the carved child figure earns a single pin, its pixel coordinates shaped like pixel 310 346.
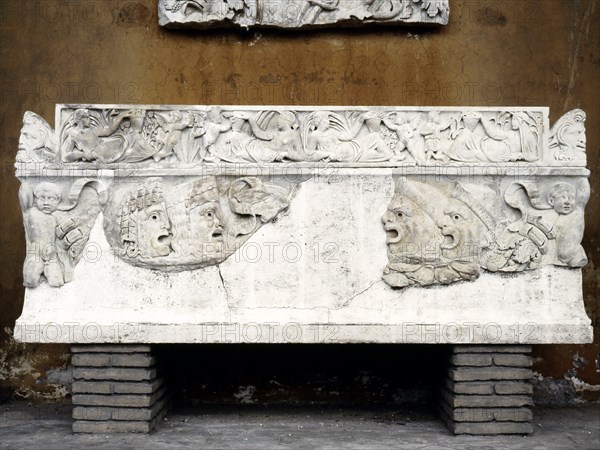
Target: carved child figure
pixel 40 228
pixel 210 131
pixel 407 127
pixel 173 131
pixel 435 146
pixel 568 224
pixel 555 227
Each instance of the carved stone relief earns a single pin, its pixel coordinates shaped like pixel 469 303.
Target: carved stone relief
pixel 182 188
pixel 299 13
pixel 567 137
pixel 186 223
pixel 58 217
pixel 440 233
pixel 37 141
pixel 175 137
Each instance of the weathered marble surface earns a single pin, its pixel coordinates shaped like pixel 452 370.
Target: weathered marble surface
pixel 299 13
pixel 142 227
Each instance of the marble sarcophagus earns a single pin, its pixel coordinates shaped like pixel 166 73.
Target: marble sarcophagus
pixel 196 224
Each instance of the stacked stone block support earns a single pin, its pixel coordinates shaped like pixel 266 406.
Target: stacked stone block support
pixel 488 390
pixel 117 388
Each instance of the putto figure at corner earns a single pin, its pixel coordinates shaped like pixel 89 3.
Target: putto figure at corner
pixel 58 219
pixel 44 255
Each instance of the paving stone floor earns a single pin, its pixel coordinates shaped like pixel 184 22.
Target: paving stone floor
pixel 48 426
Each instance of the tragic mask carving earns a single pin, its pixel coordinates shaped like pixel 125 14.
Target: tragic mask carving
pixel 413 237
pixel 145 225
pixel 206 221
pixel 471 222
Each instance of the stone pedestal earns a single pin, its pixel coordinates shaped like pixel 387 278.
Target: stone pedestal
pixel 488 390
pixel 117 388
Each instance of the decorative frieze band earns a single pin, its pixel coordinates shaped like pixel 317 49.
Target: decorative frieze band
pixel 185 136
pixel 293 14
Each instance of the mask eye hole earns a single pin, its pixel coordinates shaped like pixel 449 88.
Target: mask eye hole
pixel 154 217
pixel 456 217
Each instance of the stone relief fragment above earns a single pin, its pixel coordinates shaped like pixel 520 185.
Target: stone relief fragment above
pixel 173 137
pixel 440 233
pixel 182 188
pixel 299 13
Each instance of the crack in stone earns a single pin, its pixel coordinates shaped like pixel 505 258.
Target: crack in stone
pixel 227 296
pixel 347 302
pixel 314 308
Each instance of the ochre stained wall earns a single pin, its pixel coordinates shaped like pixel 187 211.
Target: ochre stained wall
pixel 492 53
